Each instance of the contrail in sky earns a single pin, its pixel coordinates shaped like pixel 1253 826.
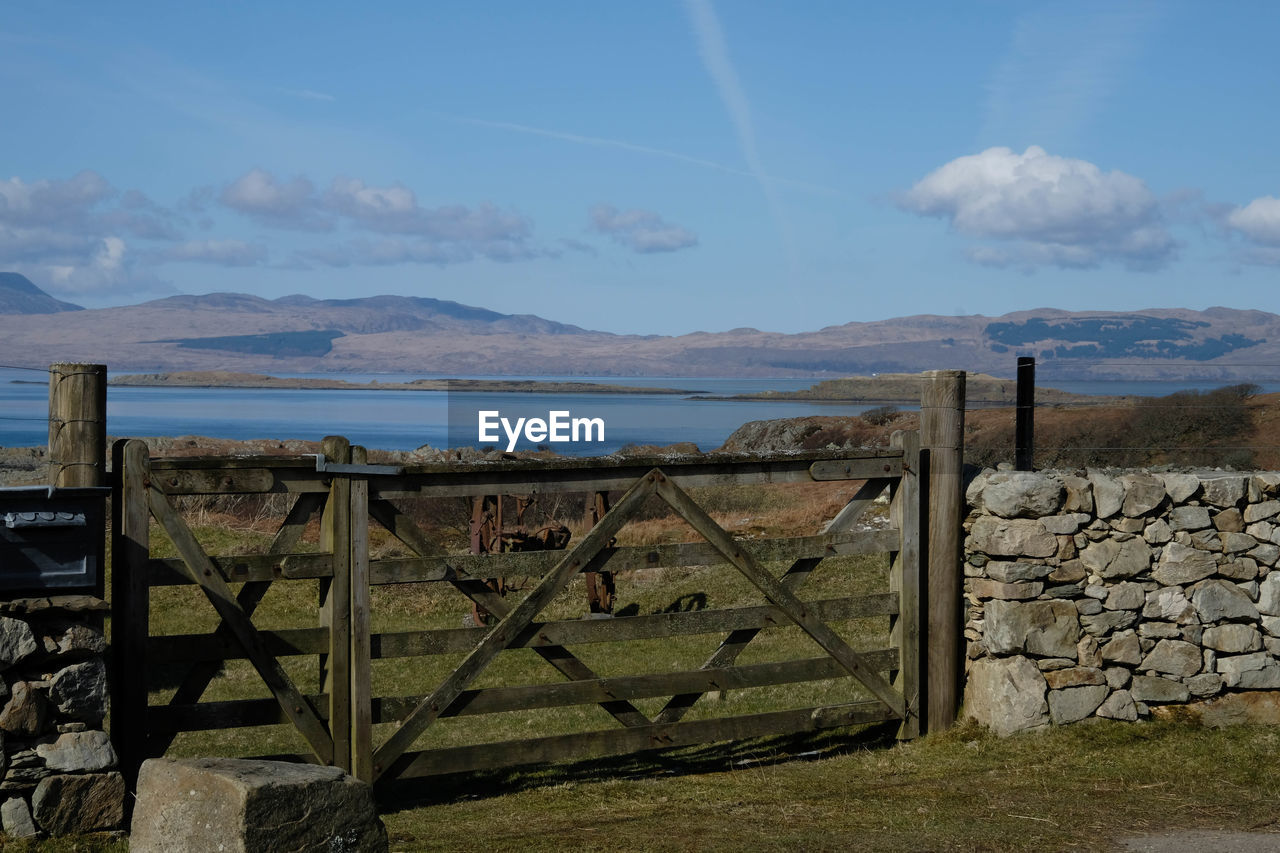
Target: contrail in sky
pixel 603 142
pixel 715 56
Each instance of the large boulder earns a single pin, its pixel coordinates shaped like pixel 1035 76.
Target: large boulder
pixel 247 806
pixel 1006 695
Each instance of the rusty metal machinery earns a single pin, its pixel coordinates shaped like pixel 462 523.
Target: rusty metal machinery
pixel 490 535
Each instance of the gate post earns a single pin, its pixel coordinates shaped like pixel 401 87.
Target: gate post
pixel 77 424
pixel 942 436
pixel 1024 423
pixel 335 602
pixel 130 603
pixel 361 648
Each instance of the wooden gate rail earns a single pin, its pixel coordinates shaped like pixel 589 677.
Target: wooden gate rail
pixel 337 722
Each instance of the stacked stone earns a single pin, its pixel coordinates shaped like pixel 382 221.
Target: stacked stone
pixel 56 764
pixel 1111 594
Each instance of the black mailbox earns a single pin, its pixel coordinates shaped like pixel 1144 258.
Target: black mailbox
pixel 51 540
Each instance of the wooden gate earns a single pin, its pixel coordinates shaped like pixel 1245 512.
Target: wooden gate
pixel 381 737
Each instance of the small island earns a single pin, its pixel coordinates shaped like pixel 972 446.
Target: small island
pixel 225 379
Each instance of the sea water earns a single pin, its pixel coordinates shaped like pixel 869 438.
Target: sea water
pixel 405 420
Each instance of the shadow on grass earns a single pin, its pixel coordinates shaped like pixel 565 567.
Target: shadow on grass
pixel 402 795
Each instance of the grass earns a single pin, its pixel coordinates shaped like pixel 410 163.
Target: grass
pixel 1075 788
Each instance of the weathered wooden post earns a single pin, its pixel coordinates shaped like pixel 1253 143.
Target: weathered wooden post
pixel 942 436
pixel 905 576
pixel 335 602
pixel 77 424
pixel 360 673
pixel 1024 444
pixel 130 603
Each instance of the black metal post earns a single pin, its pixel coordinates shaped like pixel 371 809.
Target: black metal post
pixel 1025 423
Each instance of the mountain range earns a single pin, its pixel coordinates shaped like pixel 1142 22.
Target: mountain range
pixel 420 335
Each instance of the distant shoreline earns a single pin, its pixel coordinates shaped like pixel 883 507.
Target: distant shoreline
pixel 221 379
pixel 893 388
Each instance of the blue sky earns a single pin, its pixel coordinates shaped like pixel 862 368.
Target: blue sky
pixel 658 167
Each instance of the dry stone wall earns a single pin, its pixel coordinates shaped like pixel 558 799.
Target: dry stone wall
pixel 57 766
pixel 1120 594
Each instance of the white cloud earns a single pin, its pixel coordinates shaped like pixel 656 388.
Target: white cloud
pixel 441 235
pixel 109 269
pixel 48 202
pixel 69 235
pixel 714 51
pixel 1259 220
pixel 288 204
pixel 1051 210
pixel 641 230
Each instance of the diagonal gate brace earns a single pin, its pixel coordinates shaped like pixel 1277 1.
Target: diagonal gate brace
pixel 778 595
pixel 204 573
pixel 511 625
pixel 559 657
